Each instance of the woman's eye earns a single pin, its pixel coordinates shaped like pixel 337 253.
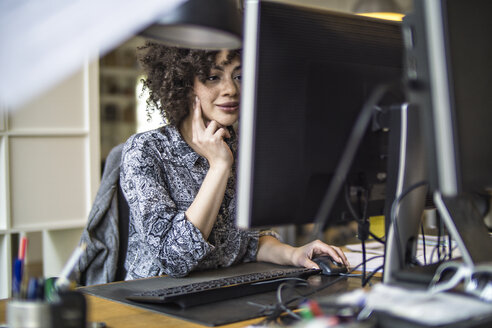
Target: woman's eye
pixel 238 77
pixel 212 78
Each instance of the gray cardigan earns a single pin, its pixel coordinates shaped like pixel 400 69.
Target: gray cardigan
pixel 99 262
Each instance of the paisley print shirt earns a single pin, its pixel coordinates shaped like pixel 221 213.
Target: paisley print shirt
pixel 160 176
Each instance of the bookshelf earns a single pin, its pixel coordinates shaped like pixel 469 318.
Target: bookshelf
pixel 119 75
pixel 49 174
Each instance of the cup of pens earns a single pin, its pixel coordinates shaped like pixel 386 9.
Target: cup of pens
pixel 50 303
pixel 28 314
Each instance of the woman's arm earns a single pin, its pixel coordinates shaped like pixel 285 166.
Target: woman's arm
pixel 163 239
pixel 202 213
pixel 208 141
pixel 270 249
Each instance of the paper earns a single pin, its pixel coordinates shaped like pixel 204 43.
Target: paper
pixel 374 248
pixel 426 308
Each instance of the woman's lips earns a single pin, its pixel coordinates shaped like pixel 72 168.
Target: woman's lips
pixel 229 106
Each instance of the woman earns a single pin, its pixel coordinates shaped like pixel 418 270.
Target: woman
pixel 179 180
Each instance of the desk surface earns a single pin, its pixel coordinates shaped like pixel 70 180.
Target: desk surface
pixel 118 315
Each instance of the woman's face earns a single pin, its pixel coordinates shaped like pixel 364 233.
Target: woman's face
pixel 219 94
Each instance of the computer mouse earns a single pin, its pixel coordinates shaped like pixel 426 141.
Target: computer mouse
pixel 329 266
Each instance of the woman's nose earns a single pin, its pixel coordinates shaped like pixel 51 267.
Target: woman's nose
pixel 231 87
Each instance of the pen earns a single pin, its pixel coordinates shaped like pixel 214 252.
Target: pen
pixel 17 278
pixel 33 289
pixel 22 248
pixel 18 269
pixel 63 281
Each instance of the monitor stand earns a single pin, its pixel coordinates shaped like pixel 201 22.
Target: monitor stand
pixel 467 227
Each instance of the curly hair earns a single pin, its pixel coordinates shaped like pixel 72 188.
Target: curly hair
pixel 170 74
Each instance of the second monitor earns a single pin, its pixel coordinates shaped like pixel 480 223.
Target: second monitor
pixel 307 73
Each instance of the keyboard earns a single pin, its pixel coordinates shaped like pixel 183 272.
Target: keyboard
pixel 205 292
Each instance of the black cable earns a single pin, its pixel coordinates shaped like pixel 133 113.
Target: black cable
pixel 368 278
pixel 277 309
pixel 423 243
pixel 394 222
pixel 360 224
pixel 349 204
pixel 450 247
pixel 376 238
pixel 346 159
pixel 364 255
pixel 363 232
pixel 363 226
pixel 439 232
pixel 330 283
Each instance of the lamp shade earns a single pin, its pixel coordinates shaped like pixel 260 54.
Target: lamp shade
pixel 382 9
pixel 200 24
pixel 380 6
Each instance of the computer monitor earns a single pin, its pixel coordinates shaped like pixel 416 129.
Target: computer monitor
pixel 307 73
pixel 449 79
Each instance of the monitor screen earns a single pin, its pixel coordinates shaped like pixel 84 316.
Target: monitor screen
pixel 307 72
pixel 451 71
pixel 449 79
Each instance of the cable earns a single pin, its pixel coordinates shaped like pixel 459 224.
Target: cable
pixel 394 222
pixel 368 278
pixel 343 276
pixel 439 232
pixel 346 159
pixel 282 306
pixel 423 243
pixel 361 233
pixel 376 238
pixel 450 244
pixel 363 225
pixel 277 309
pixel 274 312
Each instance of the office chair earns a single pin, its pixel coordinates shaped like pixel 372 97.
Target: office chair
pixel 106 232
pixel 123 225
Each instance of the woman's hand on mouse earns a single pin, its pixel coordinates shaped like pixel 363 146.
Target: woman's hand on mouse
pixel 302 256
pixel 270 249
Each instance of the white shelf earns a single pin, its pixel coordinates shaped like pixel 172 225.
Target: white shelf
pixel 49 168
pixel 52 226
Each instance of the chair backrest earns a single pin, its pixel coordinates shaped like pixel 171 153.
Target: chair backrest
pixel 106 232
pixel 123 227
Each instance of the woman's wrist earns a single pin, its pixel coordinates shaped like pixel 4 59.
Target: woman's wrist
pixel 220 166
pixel 273 250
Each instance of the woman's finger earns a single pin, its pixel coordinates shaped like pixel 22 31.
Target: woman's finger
pixel 212 127
pixel 320 248
pixel 342 255
pixel 222 133
pixel 197 115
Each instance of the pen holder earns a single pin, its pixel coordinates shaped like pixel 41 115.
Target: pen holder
pixel 67 310
pixel 28 314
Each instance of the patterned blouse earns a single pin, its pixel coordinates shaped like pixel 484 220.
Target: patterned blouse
pixel 160 177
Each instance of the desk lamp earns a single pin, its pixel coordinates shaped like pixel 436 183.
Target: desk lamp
pixel 200 24
pixel 383 9
pixel 41 45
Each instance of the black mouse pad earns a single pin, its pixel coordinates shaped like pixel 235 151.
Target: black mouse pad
pixel 212 314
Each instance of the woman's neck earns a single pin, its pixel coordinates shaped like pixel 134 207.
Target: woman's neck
pixel 185 128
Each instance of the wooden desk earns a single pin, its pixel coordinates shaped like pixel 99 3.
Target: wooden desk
pixel 118 315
